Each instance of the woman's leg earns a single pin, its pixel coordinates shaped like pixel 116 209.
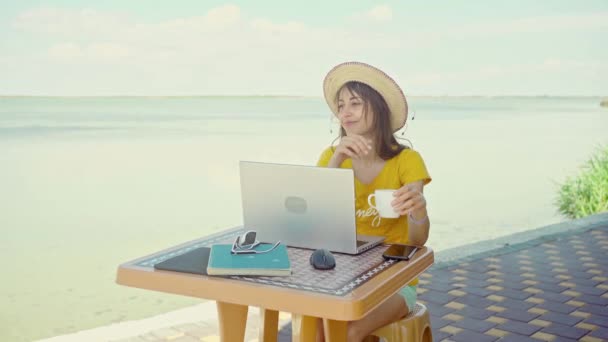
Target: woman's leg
pixel 320 331
pixel 393 309
pixel 390 311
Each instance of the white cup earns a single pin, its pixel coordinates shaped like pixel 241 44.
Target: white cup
pixel 383 199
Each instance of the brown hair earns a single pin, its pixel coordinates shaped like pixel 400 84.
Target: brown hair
pixel 386 145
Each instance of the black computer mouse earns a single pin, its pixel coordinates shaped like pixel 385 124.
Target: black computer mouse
pixel 322 259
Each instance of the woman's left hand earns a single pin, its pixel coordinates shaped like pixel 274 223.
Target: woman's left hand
pixel 409 199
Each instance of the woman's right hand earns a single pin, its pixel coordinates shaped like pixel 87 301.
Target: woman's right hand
pixel 351 146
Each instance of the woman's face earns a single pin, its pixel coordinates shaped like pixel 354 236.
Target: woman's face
pixel 352 115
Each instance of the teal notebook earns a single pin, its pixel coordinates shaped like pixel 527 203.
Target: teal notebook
pixel 273 263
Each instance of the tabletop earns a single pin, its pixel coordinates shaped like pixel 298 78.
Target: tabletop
pixel 354 287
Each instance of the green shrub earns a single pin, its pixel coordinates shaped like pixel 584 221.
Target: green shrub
pixel 588 193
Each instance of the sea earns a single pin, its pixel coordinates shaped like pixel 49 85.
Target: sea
pixel 87 183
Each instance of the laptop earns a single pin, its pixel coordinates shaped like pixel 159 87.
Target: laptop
pixel 302 206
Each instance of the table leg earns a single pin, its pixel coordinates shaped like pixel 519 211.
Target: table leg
pixel 269 325
pixel 232 321
pixel 335 331
pixel 303 328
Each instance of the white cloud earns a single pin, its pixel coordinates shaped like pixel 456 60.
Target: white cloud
pixel 426 79
pixel 207 52
pixel 65 51
pixel 556 63
pixel 484 73
pixel 381 13
pixel 222 17
pixel 216 19
pixel 377 14
pixel 559 23
pixel 539 24
pixel 109 51
pixel 94 52
pixel 221 51
pixel 81 22
pixel 270 27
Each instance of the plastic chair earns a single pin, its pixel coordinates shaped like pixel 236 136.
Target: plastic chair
pixel 415 327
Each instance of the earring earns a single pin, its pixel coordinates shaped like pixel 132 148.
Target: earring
pixel 403 129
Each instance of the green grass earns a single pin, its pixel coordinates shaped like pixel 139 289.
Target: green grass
pixel 587 193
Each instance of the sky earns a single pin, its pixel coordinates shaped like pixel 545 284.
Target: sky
pixel 182 48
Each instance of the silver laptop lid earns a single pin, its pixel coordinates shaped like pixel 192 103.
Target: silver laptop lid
pixel 303 206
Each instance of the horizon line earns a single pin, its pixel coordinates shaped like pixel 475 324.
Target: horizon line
pixel 272 96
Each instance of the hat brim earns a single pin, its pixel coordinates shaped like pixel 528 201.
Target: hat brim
pixel 373 77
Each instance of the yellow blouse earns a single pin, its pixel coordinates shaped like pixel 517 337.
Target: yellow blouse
pixel 406 167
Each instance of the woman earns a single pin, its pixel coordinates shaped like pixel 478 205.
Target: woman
pixel 371 107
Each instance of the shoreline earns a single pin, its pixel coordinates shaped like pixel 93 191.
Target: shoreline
pixel 206 311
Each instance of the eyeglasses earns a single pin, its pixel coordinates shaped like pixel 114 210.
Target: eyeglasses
pixel 245 244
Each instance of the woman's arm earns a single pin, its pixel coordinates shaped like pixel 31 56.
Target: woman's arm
pixel 410 201
pixel 352 146
pixel 419 226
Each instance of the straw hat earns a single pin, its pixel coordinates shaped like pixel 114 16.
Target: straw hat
pixel 373 77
